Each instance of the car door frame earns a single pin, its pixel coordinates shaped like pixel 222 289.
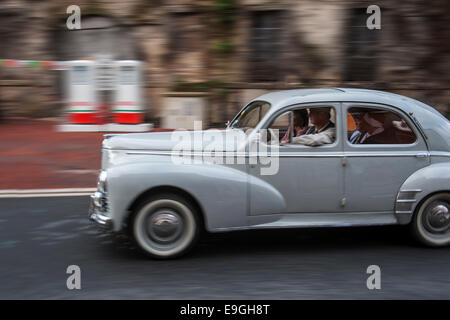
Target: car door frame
pixel 294 151
pixel 418 150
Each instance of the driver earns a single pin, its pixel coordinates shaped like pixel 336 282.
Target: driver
pixel 323 130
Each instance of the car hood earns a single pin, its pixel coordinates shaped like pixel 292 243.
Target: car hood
pixel 229 139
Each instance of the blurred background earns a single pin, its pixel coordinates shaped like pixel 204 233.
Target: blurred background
pixel 198 60
pixel 226 52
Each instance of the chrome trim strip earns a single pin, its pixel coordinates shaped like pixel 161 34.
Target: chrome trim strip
pixel 440 153
pixel 163 153
pixel 310 155
pixel 356 155
pixel 183 153
pixel 400 201
pixel 272 153
pixel 238 154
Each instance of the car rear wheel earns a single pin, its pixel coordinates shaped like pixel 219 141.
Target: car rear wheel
pixel 431 224
pixel 165 226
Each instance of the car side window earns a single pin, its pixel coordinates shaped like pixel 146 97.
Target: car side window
pixel 369 125
pixel 308 126
pixel 251 115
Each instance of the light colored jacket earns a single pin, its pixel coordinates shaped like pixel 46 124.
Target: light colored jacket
pixel 317 139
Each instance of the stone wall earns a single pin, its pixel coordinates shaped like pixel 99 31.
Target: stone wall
pixel 206 46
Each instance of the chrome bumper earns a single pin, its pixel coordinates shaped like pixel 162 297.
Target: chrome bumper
pixel 96 214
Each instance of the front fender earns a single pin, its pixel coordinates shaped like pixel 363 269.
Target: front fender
pixel 426 181
pixel 220 190
pixel 265 198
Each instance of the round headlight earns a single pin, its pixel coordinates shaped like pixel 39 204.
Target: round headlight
pixel 98 199
pixel 101 185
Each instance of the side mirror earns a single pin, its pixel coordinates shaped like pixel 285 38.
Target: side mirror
pixel 227 123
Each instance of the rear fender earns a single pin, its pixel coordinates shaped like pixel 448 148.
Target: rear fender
pixel 421 184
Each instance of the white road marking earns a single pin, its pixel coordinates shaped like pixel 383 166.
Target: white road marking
pixel 31 193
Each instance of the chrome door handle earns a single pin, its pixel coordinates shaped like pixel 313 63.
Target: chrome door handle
pixel 421 155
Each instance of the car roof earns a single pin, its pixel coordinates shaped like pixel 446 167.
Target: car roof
pixel 280 99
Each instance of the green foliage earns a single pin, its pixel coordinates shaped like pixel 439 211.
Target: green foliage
pixel 224 46
pixel 225 10
pixel 216 86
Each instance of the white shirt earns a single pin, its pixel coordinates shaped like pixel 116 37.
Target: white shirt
pixel 317 139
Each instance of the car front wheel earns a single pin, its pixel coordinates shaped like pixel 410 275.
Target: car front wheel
pixel 165 226
pixel 431 224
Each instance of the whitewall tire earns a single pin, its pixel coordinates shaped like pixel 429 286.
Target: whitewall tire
pixel 431 223
pixel 165 226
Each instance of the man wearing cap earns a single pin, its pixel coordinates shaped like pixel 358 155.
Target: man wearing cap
pixel 322 132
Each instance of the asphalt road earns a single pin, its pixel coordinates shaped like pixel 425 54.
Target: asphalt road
pixel 41 237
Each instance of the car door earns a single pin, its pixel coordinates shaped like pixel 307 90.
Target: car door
pixel 308 179
pixel 376 169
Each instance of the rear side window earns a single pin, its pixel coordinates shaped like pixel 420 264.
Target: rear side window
pixel 367 125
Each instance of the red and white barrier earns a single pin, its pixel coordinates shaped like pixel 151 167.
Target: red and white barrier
pixel 128 103
pixel 86 111
pixel 80 93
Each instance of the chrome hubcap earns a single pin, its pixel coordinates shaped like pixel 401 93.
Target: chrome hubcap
pixel 164 226
pixel 437 217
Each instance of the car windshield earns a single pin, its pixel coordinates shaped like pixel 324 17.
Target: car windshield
pixel 250 116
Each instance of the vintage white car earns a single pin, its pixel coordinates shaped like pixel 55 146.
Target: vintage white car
pixel 302 158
